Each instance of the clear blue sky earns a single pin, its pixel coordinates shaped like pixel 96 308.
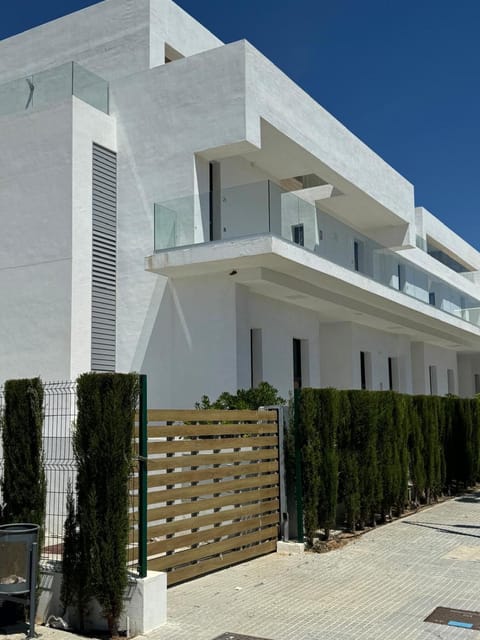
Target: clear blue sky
pixel 403 75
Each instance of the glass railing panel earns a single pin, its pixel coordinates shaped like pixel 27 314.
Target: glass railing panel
pixel 90 88
pixel 15 96
pixel 266 208
pixel 165 231
pixel 420 242
pixel 335 241
pixel 245 210
pixel 51 86
pixel 299 221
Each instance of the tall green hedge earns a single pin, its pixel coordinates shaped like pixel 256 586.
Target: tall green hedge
pixel 96 546
pixel 23 483
pixel 319 420
pixel 369 447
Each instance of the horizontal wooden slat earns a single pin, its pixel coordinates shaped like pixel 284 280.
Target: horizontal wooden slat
pixel 214 548
pixel 187 430
pixel 212 473
pixel 210 444
pixel 209 535
pixel 186 524
pixel 173 510
pixel 208 415
pixel 178 462
pixel 212 564
pixel 183 493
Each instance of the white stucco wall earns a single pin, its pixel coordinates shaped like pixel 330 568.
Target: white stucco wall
pixel 280 323
pixel 340 347
pixel 36 249
pixel 427 355
pixel 191 348
pixel 114 38
pixel 468 368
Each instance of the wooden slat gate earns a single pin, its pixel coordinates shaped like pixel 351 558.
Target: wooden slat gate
pixel 213 489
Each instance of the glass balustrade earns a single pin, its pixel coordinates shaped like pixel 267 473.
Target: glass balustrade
pixel 52 86
pixel 265 208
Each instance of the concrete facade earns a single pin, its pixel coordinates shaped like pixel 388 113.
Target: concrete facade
pixel 248 218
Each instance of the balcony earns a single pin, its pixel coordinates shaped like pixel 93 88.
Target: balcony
pixel 41 90
pixel 297 216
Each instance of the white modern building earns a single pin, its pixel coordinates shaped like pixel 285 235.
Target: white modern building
pixel 176 206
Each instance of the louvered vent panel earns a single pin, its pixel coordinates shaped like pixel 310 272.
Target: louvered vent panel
pixel 104 258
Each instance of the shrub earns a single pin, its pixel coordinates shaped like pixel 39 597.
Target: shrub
pixel 262 396
pixel 23 483
pixel 103 451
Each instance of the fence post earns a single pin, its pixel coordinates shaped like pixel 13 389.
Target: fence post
pixel 281 420
pixel 298 466
pixel 142 478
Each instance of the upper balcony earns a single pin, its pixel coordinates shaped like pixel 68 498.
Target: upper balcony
pixel 297 217
pixel 41 90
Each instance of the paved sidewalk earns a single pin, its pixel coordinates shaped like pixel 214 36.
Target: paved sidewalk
pixel 382 586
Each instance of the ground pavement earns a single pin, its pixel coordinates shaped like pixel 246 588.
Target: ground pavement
pixel 382 586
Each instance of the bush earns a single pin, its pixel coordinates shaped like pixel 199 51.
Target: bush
pixel 103 450
pixel 262 396
pixel 366 446
pixel 23 483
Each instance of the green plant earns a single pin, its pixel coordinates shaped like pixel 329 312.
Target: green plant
pixel 262 396
pixel 311 453
pixel 70 560
pixel 328 419
pixel 103 451
pixel 23 483
pixel 364 409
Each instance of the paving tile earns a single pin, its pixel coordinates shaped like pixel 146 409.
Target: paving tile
pixel 381 586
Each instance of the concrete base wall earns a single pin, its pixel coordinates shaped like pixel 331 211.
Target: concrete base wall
pixel 145 604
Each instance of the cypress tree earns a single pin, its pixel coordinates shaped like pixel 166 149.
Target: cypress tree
pixel 387 453
pixel 311 455
pixel 70 565
pixel 415 452
pixel 475 438
pixel 103 451
pixel 349 483
pixel 451 440
pixel 428 416
pixel 24 483
pixel 328 402
pixel 364 421
pixel 401 410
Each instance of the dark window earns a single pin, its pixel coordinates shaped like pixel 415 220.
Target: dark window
pixel 358 256
pixel 215 224
pixel 431 298
pixel 297 234
pixel 363 370
pixel 390 374
pixel 401 277
pixel 297 363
